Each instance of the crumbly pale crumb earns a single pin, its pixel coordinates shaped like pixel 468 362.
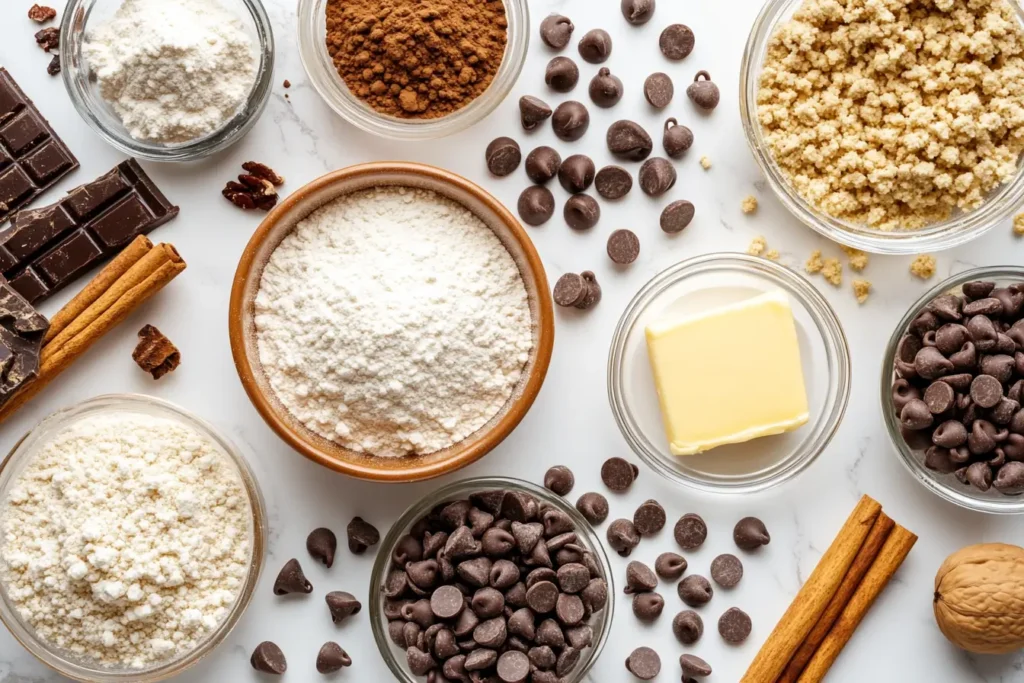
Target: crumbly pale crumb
pixel 1018 225
pixel 858 259
pixel 861 289
pixel 757 246
pixel 772 255
pixel 923 266
pixel 895 113
pixel 749 204
pixel 705 163
pixel 814 262
pixel 832 269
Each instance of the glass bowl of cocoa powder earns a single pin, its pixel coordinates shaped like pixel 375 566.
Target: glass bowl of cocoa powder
pixel 420 72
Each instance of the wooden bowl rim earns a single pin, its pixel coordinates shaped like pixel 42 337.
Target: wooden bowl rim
pixel 460 456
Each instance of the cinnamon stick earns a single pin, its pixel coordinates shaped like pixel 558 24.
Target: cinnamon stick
pixel 889 559
pixel 815 595
pixel 861 564
pixel 117 267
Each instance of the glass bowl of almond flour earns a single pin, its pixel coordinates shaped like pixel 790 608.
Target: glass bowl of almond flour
pixel 391 321
pixel 132 537
pixel 168 81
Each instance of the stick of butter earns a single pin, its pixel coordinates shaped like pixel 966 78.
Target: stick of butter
pixel 728 375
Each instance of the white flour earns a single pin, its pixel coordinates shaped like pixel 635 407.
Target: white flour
pixel 173 70
pixel 393 321
pixel 126 539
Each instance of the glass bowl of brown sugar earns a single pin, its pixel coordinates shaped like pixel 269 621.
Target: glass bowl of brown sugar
pixel 424 70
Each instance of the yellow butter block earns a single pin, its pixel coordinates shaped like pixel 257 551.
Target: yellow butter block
pixel 728 375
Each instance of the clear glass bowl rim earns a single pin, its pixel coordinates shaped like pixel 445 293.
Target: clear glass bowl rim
pixel 318 66
pixel 1008 505
pixel 72 30
pixel 953 232
pixel 462 489
pixel 837 353
pixel 51 657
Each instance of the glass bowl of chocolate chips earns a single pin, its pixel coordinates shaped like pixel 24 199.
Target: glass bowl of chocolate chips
pixel 491 577
pixel 953 386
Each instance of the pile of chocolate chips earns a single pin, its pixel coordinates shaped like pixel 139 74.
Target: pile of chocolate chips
pixel 493 588
pixel 960 384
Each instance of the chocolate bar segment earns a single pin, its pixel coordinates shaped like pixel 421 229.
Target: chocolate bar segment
pixel 21 339
pixel 32 156
pixel 44 249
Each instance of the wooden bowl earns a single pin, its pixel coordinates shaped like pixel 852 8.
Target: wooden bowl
pixel 300 204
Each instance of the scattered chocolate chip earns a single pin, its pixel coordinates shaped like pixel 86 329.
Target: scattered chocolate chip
pixel 618 474
pixel 734 625
pixel 570 289
pixel 332 658
pixel 562 74
pixel 321 545
pixel 690 531
pixel 643 662
pixel 639 578
pixel 649 518
pixel 637 12
pixel 593 296
pixel 41 14
pixel 623 247
pixel 676 41
pixel 703 92
pixel 694 666
pixel 657 176
pixel 155 353
pixel 581 212
pixel 570 121
pixel 53 68
pixel 48 38
pixel 536 205
pixel 533 111
pixel 658 90
pixel 596 46
pixel 576 173
pixel 361 535
pixel 628 140
pixel 342 605
pixel 622 537
pixel 542 164
pixel 595 595
pixel 726 570
pixel 676 139
pixel 503 156
pixel 648 606
pixel 291 579
pixel 559 479
pixel 688 627
pixel 593 507
pixel 555 31
pixel 613 182
pixel 268 658
pixel 670 566
pixel 695 590
pixel 677 216
pixel 750 534
pixel 420 663
pixel 605 89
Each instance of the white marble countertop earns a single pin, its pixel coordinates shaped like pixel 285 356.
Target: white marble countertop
pixel 301 138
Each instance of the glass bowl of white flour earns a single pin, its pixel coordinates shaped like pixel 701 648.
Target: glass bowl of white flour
pixel 132 537
pixel 168 81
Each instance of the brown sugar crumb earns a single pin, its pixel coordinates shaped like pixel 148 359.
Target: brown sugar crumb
pixel 41 13
pixel 757 246
pixel 923 266
pixel 1018 225
pixel 749 204
pixel 832 269
pixel 857 258
pixel 861 290
pixel 155 353
pixel 416 59
pixel 814 264
pixel 705 163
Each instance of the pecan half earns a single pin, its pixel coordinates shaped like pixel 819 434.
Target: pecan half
pixel 41 13
pixel 263 171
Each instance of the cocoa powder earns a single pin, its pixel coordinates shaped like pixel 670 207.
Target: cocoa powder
pixel 417 58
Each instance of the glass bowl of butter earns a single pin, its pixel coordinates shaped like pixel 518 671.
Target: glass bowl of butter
pixel 728 373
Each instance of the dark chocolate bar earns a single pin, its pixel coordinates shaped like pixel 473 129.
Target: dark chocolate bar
pixel 21 339
pixel 44 249
pixel 32 157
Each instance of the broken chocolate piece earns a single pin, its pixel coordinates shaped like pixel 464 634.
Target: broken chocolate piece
pixel 21 340
pixel 155 353
pixel 48 38
pixel 53 68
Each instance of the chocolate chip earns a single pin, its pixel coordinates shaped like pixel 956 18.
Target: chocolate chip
pixel 670 566
pixel 939 397
pixel 628 140
pixel 527 535
pixel 291 579
pixel 596 46
pixel 504 574
pixel 623 247
pixel 567 661
pixel 1010 478
pixel 605 89
pixel 542 657
pixel 649 518
pixel 322 544
pixel 569 609
pixel 688 627
pixel 703 92
pixel 580 637
pixel 618 474
pixel 726 570
pixel 648 607
pixel 475 572
pixel 734 626
pixel 637 12
pixel 268 658
pixel 979 475
pixel 593 507
pixel 676 139
pixel 695 590
pixel 639 578
pixel 657 176
pixel 750 534
pixel 977 289
pixel 513 667
pixel 676 41
pixel 658 90
pixel 986 391
pixel 555 31
pixel 533 111
pixel 573 577
pixel 989 306
pixel 480 659
pixel 581 212
pixel 983 332
pixel 342 605
pixel 562 74
pixel 496 542
pixel 613 182
pixel 550 633
pixel 559 479
pixel 643 662
pixel 623 537
pixel 536 205
pixel 487 603
pixel 332 658
pixel 542 596
pixel 408 549
pixel 916 415
pixel 570 121
pixel 593 296
pixel 677 216
pixel 998 365
pixel 595 595
pixel 692 666
pixel 361 535
pixel 503 156
pixel 950 434
pixel 576 173
pixel 690 531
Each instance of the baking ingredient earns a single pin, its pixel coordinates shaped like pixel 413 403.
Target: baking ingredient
pixel 255 189
pixel 637 12
pixel 155 353
pixel 861 290
pixel 623 247
pixel 291 579
pixel 542 164
pixel 670 566
pixel 88 505
pixel 647 607
pixel 22 330
pixel 692 666
pixel 332 658
pixel 676 216
pixel 576 173
pixel 562 74
pixel 832 271
pixel 639 578
pixel 690 531
pixel 570 121
pixel 533 111
pixel 628 140
pixel 594 507
pixel 923 266
pixel 858 259
pixel 605 89
pixel 703 92
pixel 658 90
pixel 749 204
pixel 643 662
pixel 814 263
pixel 977 598
pixel 701 408
pixel 676 139
pixel 695 590
pixel 536 205
pixel 726 570
pixel 342 605
pixel 757 246
pixel 734 626
pixel 676 41
pixel 559 479
pixel 322 544
pixel 53 68
pixel 618 474
pixel 622 537
pixel 750 533
pixel 613 182
pixel 579 290
pixel 1018 225
pixel 503 156
pixel 688 627
pixel 657 176
pixel 172 72
pixel 48 38
pixel 361 535
pixel 268 658
pixel 705 163
pixel 556 30
pixel 596 46
pixel 581 212
pixel 421 60
pixel 41 13
pixel 649 518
